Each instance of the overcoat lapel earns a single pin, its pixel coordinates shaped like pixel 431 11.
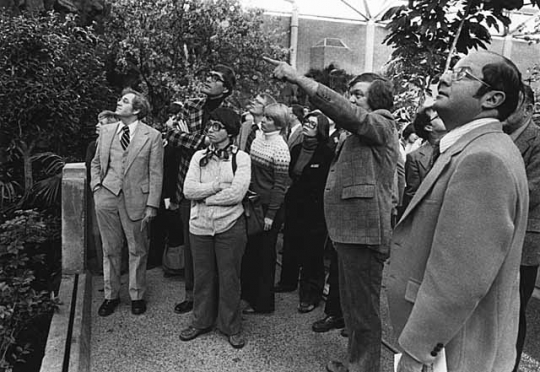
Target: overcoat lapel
pixel 140 137
pixel 441 163
pixel 425 159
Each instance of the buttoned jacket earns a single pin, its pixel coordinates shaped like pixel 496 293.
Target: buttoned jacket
pixel 453 278
pixel 143 169
pixel 358 192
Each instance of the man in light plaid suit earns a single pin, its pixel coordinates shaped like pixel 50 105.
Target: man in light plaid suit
pixel 187 137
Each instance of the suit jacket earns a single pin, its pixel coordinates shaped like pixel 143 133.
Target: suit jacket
pixel 417 166
pixel 528 144
pixel 358 192
pixel 241 139
pixel 295 138
pixel 143 170
pixel 453 278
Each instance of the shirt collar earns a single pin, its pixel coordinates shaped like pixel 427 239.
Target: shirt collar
pixel 131 126
pixel 454 135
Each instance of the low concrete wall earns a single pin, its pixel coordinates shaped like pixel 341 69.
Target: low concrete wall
pixel 68 343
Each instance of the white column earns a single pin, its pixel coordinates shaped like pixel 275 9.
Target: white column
pixel 370 45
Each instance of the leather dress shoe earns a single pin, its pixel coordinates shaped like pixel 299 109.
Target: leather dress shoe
pixel 344 333
pixel 183 307
pixel 138 307
pixel 237 341
pixel 305 307
pixel 284 288
pixel 335 366
pixel 190 333
pixel 328 323
pixel 108 306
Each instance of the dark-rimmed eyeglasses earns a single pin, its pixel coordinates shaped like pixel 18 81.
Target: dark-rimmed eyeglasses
pixel 310 124
pixel 215 77
pixel 465 72
pixel 215 125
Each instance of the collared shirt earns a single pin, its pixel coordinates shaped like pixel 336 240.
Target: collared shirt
pixel 454 135
pixel 131 127
pixel 515 134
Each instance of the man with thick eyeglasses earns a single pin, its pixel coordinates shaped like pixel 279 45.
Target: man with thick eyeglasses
pixel 453 279
pixel 187 138
pixel 251 129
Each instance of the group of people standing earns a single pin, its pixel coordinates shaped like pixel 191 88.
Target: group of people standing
pixel 331 175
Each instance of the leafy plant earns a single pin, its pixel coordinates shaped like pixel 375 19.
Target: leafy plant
pixel 164 46
pixel 52 85
pixel 21 300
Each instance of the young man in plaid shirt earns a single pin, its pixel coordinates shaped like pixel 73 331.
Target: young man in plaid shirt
pixel 188 136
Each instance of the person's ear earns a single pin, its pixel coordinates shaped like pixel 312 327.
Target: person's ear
pixel 428 128
pixel 493 99
pixel 528 109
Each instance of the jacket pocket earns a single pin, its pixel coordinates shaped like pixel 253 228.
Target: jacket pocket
pixel 358 191
pixel 411 291
pixel 145 188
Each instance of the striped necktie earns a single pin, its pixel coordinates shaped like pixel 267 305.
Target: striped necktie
pixel 124 141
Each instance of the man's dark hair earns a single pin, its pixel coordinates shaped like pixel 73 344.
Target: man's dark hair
pixel 407 131
pixel 502 75
pixel 380 93
pixel 420 122
pixel 139 102
pixel 298 111
pixel 228 77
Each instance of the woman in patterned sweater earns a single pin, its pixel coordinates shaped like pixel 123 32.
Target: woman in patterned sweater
pixel 269 178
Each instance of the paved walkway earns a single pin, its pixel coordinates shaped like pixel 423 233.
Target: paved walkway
pixel 281 342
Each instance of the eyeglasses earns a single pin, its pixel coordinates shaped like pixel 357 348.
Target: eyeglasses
pixel 216 126
pixel 463 72
pixel 310 124
pixel 215 77
pixel 434 118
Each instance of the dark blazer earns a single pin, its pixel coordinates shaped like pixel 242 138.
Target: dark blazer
pixel 358 193
pixel 528 144
pixel 304 201
pixel 453 279
pixel 416 167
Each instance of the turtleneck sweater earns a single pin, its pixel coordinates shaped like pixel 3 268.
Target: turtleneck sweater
pixel 270 160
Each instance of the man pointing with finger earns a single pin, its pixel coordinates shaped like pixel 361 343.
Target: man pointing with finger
pixel 358 202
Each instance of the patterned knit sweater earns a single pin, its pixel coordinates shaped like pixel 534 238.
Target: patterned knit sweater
pixel 270 160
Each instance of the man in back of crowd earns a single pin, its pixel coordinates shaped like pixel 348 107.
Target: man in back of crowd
pixel 526 135
pixel 453 280
pixel 430 128
pixel 294 132
pixel 187 137
pixel 250 129
pixel 358 202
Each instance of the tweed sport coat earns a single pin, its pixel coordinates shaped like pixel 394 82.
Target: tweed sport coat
pixel 143 170
pixel 528 144
pixel 453 278
pixel 358 192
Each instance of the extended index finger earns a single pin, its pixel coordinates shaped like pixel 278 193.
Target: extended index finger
pixel 272 61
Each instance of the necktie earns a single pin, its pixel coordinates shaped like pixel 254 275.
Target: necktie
pixel 124 141
pixel 436 153
pixel 251 137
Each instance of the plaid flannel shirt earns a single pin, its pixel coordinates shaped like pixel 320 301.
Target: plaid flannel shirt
pixel 189 142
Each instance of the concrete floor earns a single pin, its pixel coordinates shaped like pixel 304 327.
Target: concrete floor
pixel 280 342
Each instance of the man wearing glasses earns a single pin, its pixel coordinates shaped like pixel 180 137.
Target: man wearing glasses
pixel 453 280
pixel 358 203
pixel 187 138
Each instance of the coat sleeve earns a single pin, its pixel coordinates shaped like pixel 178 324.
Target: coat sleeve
pixel 155 171
pixel 412 179
pixel 95 167
pixel 194 189
pixel 235 193
pixel 468 249
pixel 374 127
